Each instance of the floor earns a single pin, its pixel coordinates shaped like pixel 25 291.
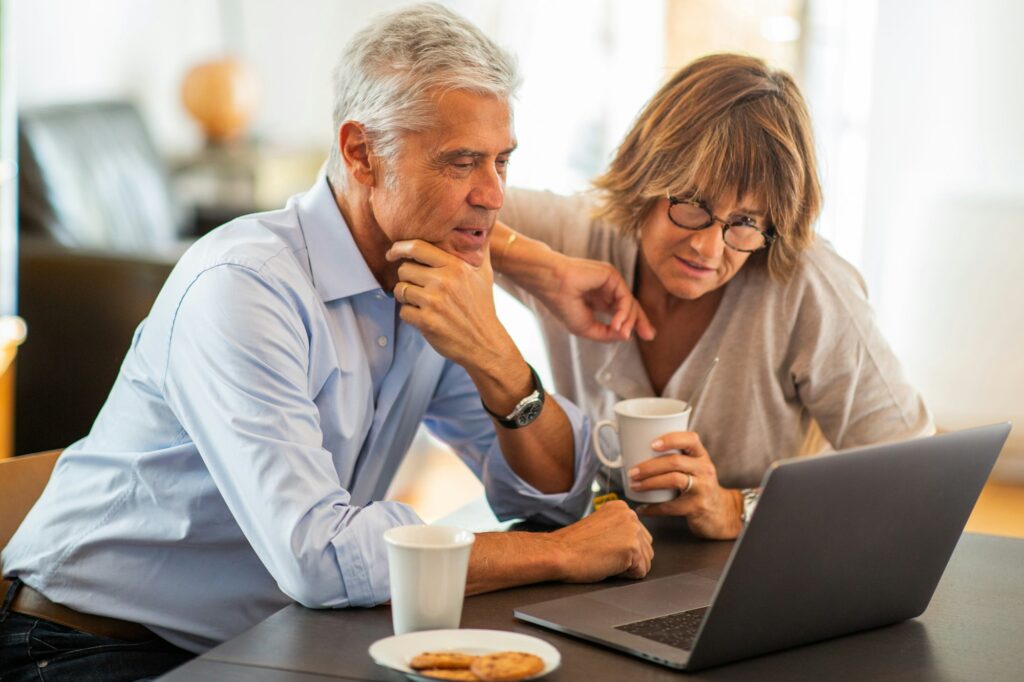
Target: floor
pixel 1000 511
pixel 441 484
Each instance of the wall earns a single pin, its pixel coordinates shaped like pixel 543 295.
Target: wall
pixel 944 213
pixel 569 52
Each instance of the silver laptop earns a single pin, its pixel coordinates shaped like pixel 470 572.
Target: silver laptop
pixel 839 543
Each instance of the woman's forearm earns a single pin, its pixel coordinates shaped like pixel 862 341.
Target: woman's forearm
pixel 529 263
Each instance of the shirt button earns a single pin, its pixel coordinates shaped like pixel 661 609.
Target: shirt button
pixel 382 341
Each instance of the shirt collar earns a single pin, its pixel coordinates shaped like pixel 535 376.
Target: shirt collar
pixel 337 267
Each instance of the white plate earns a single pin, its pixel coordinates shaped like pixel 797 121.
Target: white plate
pixel 396 652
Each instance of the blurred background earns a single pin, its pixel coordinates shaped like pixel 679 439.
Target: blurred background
pixel 130 127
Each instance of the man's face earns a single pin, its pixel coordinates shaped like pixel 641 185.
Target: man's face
pixel 450 178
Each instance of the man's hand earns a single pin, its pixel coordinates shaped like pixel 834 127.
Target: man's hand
pixel 452 304
pixel 711 511
pixel 611 541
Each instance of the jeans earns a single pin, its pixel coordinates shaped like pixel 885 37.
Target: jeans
pixel 38 650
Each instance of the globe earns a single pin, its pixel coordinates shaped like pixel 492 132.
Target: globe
pixel 222 96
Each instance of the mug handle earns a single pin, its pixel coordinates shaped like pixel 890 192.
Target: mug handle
pixel 596 441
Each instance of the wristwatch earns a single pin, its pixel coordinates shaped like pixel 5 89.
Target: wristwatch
pixel 526 410
pixel 750 497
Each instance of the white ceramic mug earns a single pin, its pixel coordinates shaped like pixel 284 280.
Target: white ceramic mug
pixel 427 565
pixel 638 422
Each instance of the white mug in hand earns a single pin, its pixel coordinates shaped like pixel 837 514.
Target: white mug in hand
pixel 428 566
pixel 639 422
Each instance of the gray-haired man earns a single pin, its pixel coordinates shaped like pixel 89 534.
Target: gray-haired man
pixel 265 403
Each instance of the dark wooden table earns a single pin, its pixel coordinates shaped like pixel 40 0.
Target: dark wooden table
pixel 973 629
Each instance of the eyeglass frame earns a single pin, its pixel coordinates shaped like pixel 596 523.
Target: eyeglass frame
pixel 769 235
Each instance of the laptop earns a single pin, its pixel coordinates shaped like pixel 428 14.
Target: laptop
pixel 838 543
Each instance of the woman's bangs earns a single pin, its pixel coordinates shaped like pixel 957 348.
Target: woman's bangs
pixel 728 161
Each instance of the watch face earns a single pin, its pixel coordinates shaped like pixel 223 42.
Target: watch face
pixel 529 413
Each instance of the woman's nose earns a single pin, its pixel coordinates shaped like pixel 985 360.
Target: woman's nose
pixel 709 242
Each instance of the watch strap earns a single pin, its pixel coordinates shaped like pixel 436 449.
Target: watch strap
pixel 514 419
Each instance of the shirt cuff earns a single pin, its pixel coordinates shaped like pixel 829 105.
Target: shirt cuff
pixel 362 553
pixel 511 497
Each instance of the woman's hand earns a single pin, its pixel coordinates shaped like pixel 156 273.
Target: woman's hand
pixel 575 290
pixel 711 511
pixel 581 289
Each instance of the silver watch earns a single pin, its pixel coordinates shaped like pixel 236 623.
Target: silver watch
pixel 526 410
pixel 750 497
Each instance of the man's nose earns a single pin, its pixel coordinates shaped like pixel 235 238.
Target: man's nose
pixel 489 189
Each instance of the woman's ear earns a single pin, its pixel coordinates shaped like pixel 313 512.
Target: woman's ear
pixel 354 145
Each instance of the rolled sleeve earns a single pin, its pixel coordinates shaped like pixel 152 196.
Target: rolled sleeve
pixel 512 497
pixel 457 417
pixel 362 553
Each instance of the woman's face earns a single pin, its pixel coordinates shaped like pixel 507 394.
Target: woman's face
pixel 691 263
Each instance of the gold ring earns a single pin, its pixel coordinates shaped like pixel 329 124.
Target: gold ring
pixel 401 298
pixel 689 483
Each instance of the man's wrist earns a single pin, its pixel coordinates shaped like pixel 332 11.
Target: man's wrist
pixel 526 410
pixel 560 558
pixel 502 381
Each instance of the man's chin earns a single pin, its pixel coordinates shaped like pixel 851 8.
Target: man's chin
pixel 469 247
pixel 474 258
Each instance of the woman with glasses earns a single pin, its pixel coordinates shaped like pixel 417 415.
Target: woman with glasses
pixel 706 215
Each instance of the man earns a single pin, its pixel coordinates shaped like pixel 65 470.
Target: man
pixel 265 403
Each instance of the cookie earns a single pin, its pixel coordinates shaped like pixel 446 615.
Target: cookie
pixel 449 674
pixel 506 666
pixel 445 660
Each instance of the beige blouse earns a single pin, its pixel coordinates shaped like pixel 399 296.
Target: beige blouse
pixel 789 355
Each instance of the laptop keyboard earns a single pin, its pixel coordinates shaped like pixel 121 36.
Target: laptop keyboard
pixel 675 629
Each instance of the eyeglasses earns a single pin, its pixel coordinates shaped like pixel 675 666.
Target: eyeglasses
pixel 739 234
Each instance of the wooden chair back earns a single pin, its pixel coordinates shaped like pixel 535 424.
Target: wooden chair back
pixel 22 480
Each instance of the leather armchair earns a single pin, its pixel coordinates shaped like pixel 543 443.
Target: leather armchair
pixel 100 231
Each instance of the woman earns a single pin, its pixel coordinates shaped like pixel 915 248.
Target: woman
pixel 706 212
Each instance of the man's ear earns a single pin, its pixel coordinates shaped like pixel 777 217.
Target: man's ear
pixel 355 152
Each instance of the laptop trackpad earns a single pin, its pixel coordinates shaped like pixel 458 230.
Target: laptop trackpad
pixel 655 597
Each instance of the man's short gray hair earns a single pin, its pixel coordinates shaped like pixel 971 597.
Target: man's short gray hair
pixel 391 70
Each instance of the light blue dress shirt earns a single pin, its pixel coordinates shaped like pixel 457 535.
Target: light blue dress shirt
pixel 242 455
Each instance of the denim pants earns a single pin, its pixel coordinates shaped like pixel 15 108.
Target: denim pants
pixel 38 650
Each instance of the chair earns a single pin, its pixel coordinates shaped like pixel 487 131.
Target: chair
pixel 100 231
pixel 22 480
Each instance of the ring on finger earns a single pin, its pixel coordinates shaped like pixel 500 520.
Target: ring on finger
pixel 400 295
pixel 689 483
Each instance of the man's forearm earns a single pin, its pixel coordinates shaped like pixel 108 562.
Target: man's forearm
pixel 611 541
pixel 542 453
pixel 502 560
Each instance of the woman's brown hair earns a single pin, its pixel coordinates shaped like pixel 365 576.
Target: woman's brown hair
pixel 726 123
